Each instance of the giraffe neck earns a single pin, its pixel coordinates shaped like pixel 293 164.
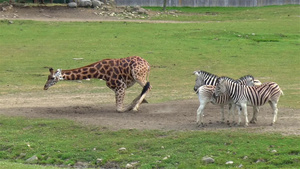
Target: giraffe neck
pixel 87 72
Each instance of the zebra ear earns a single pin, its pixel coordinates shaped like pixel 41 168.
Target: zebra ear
pixel 218 80
pixel 196 73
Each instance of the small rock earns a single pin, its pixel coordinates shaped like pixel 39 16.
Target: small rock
pixel 260 160
pixel 32 159
pixel 97 3
pixel 208 160
pixel 11 22
pixel 85 3
pixel 122 149
pixel 229 162
pixel 274 151
pixel 72 5
pixel 165 158
pixel 129 166
pixel 80 164
pixel 246 157
pixel 99 160
pixel 241 165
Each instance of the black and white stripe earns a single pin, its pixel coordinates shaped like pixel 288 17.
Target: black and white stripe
pixel 245 95
pixel 204 78
pixel 205 94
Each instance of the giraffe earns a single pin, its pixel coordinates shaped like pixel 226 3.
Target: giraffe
pixel 119 75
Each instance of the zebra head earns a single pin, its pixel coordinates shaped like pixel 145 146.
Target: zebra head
pixel 199 80
pixel 246 80
pixel 53 78
pixel 221 86
pixel 204 78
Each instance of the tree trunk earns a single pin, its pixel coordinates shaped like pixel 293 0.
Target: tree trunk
pixel 165 5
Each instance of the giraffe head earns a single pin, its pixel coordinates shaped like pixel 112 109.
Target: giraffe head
pixel 53 78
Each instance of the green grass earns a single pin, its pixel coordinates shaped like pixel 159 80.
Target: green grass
pixel 262 41
pixel 289 12
pixel 267 49
pixel 61 142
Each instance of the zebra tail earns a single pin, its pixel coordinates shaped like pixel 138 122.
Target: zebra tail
pixel 281 92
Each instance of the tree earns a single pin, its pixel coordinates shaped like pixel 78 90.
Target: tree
pixel 165 5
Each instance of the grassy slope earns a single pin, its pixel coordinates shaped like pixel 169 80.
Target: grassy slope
pixel 228 47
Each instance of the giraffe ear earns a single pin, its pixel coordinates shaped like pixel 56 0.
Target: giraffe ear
pixel 51 71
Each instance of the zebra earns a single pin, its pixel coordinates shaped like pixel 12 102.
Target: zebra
pixel 204 78
pixel 254 96
pixel 205 95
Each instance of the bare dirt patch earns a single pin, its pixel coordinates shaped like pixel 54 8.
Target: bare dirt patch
pixel 66 14
pixel 174 115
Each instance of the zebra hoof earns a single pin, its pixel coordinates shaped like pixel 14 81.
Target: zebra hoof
pixel 200 124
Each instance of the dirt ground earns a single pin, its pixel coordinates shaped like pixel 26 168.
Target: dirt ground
pixel 64 13
pixel 91 109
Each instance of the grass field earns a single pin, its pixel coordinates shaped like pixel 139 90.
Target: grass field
pixel 261 41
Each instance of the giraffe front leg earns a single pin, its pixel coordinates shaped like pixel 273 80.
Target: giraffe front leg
pixel 120 94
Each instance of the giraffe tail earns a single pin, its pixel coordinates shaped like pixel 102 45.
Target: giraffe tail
pixel 145 88
pixel 139 99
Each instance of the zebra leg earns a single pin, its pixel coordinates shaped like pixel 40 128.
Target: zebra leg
pixel 244 109
pixel 232 107
pixel 200 114
pixel 223 115
pixel 239 112
pixel 275 111
pixel 255 112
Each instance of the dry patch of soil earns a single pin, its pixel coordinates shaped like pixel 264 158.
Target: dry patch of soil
pixel 93 109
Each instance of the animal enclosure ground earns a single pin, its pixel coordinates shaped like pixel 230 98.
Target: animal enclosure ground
pixel 92 110
pixel 175 115
pixel 63 13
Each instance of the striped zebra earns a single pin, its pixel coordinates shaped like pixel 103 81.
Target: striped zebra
pixel 204 78
pixel 254 96
pixel 205 95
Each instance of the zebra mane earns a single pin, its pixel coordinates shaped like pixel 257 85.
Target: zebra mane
pixel 225 78
pixel 206 73
pixel 245 77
